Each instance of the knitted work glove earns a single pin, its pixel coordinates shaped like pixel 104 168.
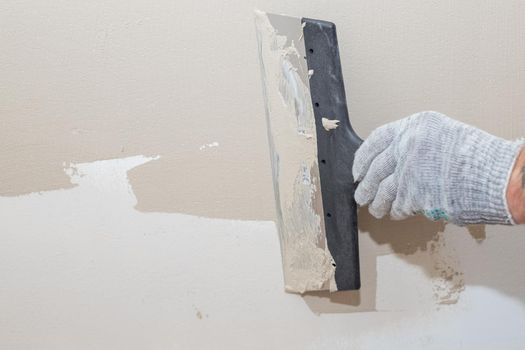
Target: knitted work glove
pixel 428 163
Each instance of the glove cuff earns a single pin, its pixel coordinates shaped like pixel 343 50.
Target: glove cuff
pixel 482 199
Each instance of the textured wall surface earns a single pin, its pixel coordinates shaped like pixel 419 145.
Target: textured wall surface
pixel 136 203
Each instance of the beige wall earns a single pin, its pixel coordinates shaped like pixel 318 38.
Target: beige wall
pixel 94 256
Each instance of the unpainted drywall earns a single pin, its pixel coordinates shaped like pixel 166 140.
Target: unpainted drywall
pixel 100 80
pixel 135 191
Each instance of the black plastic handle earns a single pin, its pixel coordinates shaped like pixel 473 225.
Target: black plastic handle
pixel 336 149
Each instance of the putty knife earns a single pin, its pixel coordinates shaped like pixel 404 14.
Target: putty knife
pixel 312 146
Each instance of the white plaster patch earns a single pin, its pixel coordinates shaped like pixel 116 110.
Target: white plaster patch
pixel 106 175
pixel 79 257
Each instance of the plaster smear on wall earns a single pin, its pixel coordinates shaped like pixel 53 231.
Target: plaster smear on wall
pixel 440 266
pixel 449 280
pixel 82 261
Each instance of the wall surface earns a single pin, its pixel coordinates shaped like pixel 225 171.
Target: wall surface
pixel 136 204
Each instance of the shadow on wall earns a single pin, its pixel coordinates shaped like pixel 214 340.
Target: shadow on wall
pixel 402 237
pixel 498 265
pixel 439 261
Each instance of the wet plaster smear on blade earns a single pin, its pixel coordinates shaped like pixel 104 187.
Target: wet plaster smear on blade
pixel 330 124
pixel 307 262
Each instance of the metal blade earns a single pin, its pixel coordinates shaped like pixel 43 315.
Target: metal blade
pixel 307 262
pixel 308 124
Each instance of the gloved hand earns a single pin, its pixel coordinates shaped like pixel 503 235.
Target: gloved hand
pixel 428 163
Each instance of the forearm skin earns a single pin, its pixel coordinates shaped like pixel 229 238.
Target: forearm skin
pixel 516 190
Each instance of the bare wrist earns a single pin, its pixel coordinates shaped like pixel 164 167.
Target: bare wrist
pixel 516 190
